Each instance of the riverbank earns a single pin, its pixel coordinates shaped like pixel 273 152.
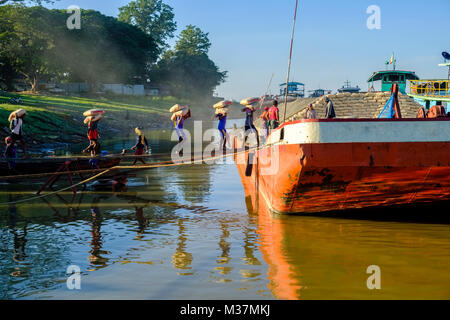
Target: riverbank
pixel 55 121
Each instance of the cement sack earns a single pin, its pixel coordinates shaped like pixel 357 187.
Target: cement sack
pixel 249 101
pixel 93 112
pixel 17 114
pixel 222 104
pixel 177 107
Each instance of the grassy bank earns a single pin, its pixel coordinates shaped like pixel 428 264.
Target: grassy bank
pixel 59 119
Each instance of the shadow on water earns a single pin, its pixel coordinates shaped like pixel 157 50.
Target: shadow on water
pixel 434 213
pixel 426 213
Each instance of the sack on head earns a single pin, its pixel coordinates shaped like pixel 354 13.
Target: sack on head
pixel 93 112
pixel 222 104
pixel 177 107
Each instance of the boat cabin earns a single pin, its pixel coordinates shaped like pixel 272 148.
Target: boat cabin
pixel 389 77
pixel 348 88
pixel 319 93
pixel 431 92
pixel 295 89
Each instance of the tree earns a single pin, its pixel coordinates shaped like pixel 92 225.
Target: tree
pixel 193 41
pixel 35 43
pixel 105 50
pixel 7 74
pixel 187 69
pixel 153 17
pixel 26 41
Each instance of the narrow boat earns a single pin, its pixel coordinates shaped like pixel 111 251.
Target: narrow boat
pixel 33 166
pixel 319 165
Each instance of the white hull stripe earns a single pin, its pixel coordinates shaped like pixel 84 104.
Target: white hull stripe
pixel 361 131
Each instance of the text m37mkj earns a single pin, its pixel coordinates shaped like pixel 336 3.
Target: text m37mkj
pixel 234 309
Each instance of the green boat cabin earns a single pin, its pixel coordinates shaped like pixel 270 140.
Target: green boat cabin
pixel 389 77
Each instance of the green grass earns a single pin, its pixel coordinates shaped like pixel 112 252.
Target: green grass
pixel 78 105
pixel 60 118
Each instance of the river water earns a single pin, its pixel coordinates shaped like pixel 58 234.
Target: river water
pixel 191 232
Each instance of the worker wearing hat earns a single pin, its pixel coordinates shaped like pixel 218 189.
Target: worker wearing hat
pixel 141 143
pixel 15 124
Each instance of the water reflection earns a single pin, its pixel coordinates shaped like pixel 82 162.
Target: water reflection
pixel 142 222
pixel 325 257
pixel 96 256
pixel 224 258
pixel 147 218
pixel 250 247
pixel 27 264
pixel 191 232
pixel 20 236
pixel 181 259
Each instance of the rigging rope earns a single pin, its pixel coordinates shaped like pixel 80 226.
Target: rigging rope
pixel 54 192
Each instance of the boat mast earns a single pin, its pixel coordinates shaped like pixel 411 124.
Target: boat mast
pixel 289 63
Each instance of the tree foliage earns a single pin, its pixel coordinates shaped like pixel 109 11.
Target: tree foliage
pixel 187 69
pixel 153 17
pixel 36 43
pixel 105 50
pixel 26 41
pixel 193 41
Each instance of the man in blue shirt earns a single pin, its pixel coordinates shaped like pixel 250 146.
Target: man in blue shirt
pixel 249 110
pixel 222 123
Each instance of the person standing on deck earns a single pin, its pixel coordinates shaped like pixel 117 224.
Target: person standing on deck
pixel 265 122
pixel 274 116
pixel 249 110
pixel 310 112
pixel 15 124
pixel 93 136
pixel 93 128
pixel 329 111
pixel 222 124
pixel 141 143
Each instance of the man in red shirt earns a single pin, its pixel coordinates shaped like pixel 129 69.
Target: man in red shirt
pixel 273 116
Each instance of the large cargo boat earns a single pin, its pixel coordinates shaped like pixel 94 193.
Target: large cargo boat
pixel 311 166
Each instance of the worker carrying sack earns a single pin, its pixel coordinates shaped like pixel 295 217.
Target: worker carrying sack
pixel 93 112
pixel 222 104
pixel 178 107
pixel 249 101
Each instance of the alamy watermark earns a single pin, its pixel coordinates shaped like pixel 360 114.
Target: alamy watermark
pixel 374 281
pixel 240 148
pixel 374 20
pixel 74 280
pixel 74 21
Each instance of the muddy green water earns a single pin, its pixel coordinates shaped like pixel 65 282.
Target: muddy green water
pixel 190 233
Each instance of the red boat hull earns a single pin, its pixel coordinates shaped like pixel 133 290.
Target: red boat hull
pixel 320 177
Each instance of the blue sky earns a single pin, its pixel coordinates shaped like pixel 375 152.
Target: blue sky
pixel 250 39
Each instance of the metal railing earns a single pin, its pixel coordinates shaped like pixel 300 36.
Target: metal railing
pixel 430 88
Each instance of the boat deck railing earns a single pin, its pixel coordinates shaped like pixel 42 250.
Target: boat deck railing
pixel 430 88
